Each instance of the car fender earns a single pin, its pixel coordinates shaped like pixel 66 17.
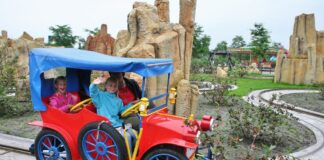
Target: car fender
pixel 69 140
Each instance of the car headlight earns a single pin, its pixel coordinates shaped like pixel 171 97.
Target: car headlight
pixel 197 138
pixel 211 124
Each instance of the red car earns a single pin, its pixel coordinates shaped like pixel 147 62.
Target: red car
pixel 83 134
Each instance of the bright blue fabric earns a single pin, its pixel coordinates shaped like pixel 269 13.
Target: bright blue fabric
pixel 43 59
pixel 108 105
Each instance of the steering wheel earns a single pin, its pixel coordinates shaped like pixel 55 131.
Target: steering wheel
pixel 80 105
pixel 133 109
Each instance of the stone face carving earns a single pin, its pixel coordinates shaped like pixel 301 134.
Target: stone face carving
pixel 304 63
pixel 150 35
pixel 102 42
pixel 19 48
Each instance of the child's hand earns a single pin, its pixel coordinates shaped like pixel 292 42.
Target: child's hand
pixel 98 80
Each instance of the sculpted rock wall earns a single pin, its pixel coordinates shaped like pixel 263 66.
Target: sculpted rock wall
pixel 150 35
pixel 305 62
pixel 102 42
pixel 19 49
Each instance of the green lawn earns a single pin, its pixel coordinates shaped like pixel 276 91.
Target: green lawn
pixel 247 85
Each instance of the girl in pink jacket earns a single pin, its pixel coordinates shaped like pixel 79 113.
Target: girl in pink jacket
pixel 61 99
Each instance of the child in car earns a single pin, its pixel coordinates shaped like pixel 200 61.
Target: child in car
pixel 62 99
pixel 109 105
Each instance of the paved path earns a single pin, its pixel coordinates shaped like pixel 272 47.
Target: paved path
pixel 314 123
pixel 15 142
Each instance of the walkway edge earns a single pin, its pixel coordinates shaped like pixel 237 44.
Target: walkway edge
pixel 293 107
pixel 15 142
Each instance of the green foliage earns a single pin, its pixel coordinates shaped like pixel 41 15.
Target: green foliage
pixel 92 32
pixel 201 43
pixel 200 65
pixel 221 46
pixel 276 45
pixel 260 40
pixel 62 36
pixel 238 71
pixel 218 95
pixel 9 106
pixel 238 42
pixel 261 123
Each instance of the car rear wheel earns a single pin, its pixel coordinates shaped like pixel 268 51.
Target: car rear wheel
pixel 51 145
pixel 103 144
pixel 164 154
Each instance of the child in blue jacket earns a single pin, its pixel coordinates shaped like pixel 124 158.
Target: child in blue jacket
pixel 109 105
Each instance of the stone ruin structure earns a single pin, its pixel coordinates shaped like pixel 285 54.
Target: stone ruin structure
pixel 151 35
pixel 102 42
pixel 19 49
pixel 305 62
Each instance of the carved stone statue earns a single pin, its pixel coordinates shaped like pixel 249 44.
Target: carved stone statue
pixel 150 35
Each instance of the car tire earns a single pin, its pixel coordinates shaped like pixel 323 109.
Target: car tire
pixel 52 143
pixel 91 147
pixel 164 153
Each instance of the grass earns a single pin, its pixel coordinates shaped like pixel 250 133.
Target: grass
pixel 247 85
pixel 259 75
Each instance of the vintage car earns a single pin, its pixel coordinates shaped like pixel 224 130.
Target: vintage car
pixel 83 134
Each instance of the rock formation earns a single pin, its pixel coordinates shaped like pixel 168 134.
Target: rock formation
pixel 19 49
pixel 150 35
pixel 102 42
pixel 305 62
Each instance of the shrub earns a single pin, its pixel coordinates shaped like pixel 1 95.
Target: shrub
pixel 200 65
pixel 9 105
pixel 261 123
pixel 219 94
pixel 239 72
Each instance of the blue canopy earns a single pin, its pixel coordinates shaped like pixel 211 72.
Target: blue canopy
pixel 43 59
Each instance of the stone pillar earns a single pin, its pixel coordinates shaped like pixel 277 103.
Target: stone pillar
pixel 187 19
pixel 183 98
pixel 194 99
pixel 4 34
pixel 163 10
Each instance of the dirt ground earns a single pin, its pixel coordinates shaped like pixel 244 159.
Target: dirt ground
pixel 294 139
pixel 311 101
pixel 18 126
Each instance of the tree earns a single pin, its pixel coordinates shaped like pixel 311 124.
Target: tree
pixel 92 32
pixel 62 36
pixel 221 46
pixel 260 40
pixel 238 42
pixel 277 45
pixel 201 42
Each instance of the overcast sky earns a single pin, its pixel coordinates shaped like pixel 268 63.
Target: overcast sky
pixel 222 20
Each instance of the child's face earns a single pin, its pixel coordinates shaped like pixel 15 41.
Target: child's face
pixel 111 87
pixel 61 86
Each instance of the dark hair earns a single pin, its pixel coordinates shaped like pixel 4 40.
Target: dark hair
pixel 113 74
pixel 59 78
pixel 112 79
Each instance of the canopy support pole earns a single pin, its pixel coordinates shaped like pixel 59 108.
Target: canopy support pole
pixel 143 86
